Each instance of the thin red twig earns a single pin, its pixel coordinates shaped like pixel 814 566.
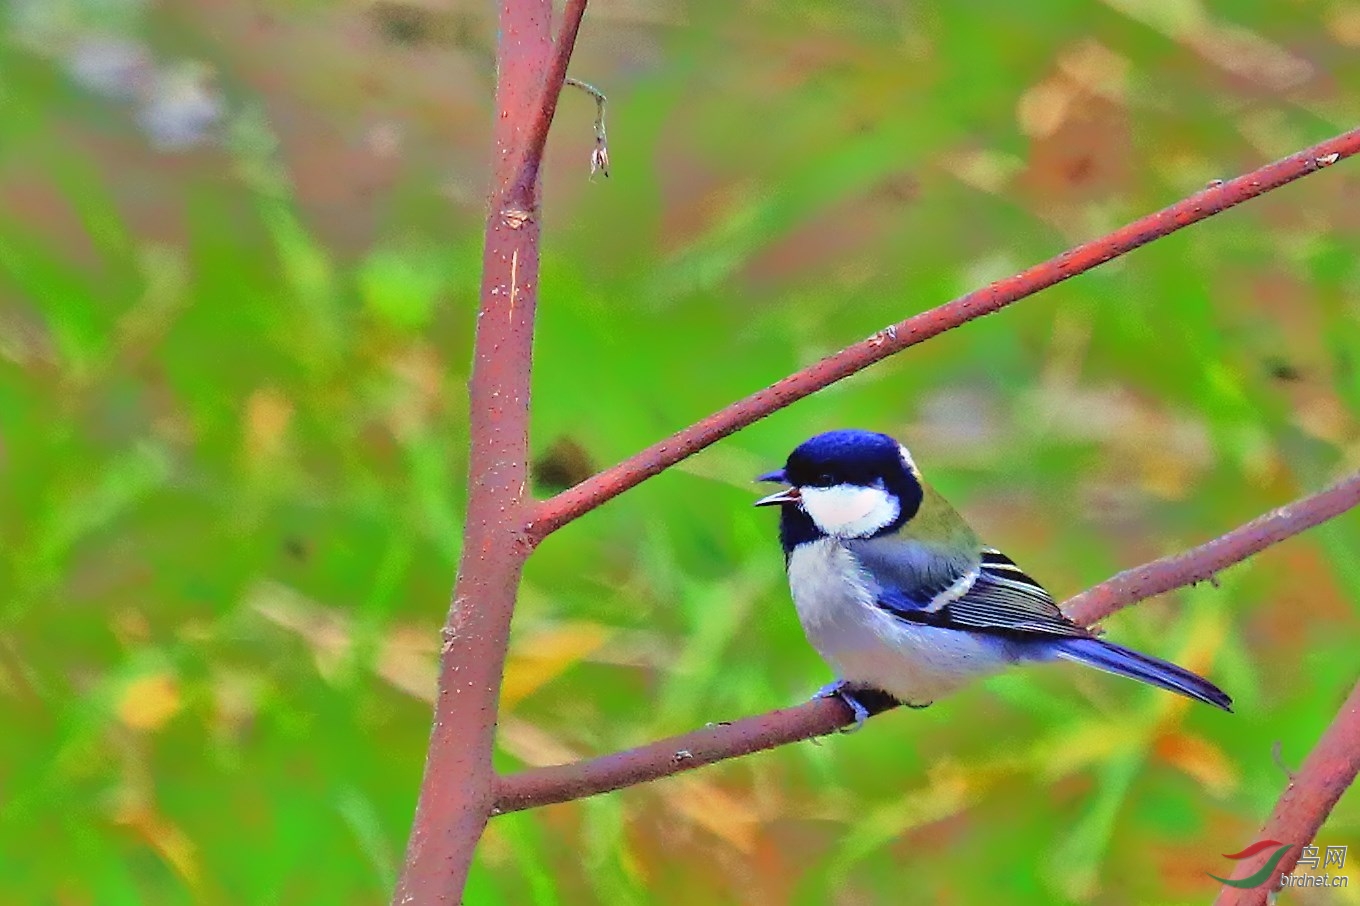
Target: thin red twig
pixel 665 757
pixel 562 783
pixel 1200 563
pixel 522 189
pixel 1306 802
pixel 552 514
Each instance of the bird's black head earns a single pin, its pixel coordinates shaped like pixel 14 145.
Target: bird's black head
pixel 850 483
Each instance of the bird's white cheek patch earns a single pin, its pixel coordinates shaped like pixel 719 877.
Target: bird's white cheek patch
pixel 848 511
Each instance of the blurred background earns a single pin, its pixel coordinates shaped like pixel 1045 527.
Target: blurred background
pixel 239 251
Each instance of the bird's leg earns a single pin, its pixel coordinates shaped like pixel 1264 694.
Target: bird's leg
pixel 841 689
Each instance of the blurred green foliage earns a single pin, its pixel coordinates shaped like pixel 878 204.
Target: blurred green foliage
pixel 238 262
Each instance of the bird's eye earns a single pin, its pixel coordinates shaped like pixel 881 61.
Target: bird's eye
pixel 825 480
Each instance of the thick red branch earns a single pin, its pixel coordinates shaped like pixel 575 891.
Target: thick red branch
pixel 522 189
pixel 1306 802
pixel 457 789
pixel 584 497
pixel 562 783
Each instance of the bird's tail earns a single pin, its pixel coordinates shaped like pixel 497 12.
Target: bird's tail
pixel 1114 658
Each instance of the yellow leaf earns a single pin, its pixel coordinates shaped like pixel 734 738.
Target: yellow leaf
pixel 532 745
pixel 267 415
pixel 1096 68
pixel 149 701
pixel 408 660
pixel 716 811
pixel 540 659
pixel 950 788
pixel 1343 22
pixel 1201 759
pixel 1044 107
pixel 164 836
pixel 1077 748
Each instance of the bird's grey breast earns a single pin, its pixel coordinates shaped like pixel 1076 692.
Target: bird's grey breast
pixel 829 585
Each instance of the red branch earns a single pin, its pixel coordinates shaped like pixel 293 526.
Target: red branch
pixel 562 783
pixel 584 497
pixel 1306 801
pixel 523 189
pixel 457 789
pixel 665 757
pixel 1200 563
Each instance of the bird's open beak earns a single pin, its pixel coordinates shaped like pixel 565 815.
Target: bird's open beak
pixel 782 498
pixel 786 496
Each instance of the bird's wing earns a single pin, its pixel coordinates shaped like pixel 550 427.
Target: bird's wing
pixel 913 575
pixel 1000 598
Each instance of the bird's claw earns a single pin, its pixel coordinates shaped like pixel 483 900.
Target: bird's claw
pixel 841 689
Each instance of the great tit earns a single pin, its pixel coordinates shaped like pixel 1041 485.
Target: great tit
pixel 898 595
